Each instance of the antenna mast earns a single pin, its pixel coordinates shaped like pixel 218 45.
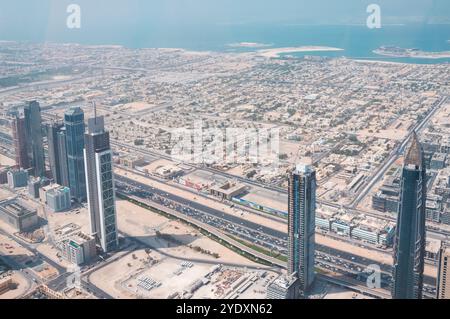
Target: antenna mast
pixel 94 105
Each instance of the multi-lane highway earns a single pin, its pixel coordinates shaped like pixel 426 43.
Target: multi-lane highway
pixel 240 227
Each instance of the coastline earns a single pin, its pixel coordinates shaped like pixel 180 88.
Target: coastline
pixel 275 53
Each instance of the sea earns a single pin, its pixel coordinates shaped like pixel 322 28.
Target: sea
pixel 357 41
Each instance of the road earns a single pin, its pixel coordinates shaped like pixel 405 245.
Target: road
pixel 343 281
pixel 398 151
pixel 271 237
pixel 146 194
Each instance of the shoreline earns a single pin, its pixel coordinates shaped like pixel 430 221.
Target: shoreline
pixel 275 53
pixel 267 53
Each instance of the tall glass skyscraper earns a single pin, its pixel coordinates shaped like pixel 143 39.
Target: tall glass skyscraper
pixel 18 127
pixel 57 153
pixel 409 246
pixel 443 279
pixel 100 185
pixel 74 135
pixel 35 143
pixel 301 225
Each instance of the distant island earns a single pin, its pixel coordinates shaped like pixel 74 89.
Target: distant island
pixel 397 52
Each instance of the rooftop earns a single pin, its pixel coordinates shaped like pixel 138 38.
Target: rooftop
pixel 414 153
pixel 15 208
pixel 303 169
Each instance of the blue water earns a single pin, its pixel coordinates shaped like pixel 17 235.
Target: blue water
pixel 357 41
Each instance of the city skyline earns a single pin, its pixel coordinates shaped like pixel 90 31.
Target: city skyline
pixel 225 151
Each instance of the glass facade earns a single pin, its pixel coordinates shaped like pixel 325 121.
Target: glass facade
pixel 301 225
pixel 75 127
pixel 409 246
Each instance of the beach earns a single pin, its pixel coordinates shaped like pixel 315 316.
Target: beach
pixel 275 53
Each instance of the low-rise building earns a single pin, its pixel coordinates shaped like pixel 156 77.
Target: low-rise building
pixel 433 208
pixel 284 287
pixel 18 215
pixel 374 231
pixel 58 199
pixel 43 192
pixel 169 171
pixel 34 184
pixel 17 178
pixel 6 284
pixel 445 216
pixel 432 249
pixel 78 248
pixel 228 190
pixel 387 198
pixel 438 161
pixel 4 175
pixel 131 161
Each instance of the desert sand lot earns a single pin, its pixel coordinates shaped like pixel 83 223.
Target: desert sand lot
pixel 22 287
pixel 58 220
pixel 26 258
pixel 6 161
pixel 171 277
pixel 135 107
pixel 171 244
pixel 143 224
pixel 335 292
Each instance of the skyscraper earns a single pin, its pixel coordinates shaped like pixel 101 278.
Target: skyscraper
pixel 74 136
pixel 57 153
pixel 100 185
pixel 301 225
pixel 409 246
pixel 35 144
pixel 20 142
pixel 443 280
pixel 62 154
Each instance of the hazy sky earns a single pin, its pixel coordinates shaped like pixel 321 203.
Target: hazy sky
pixel 25 19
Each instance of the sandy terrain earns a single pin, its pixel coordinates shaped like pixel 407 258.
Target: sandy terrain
pixel 6 161
pixel 142 223
pixel 119 277
pixel 335 292
pixel 135 107
pixel 23 286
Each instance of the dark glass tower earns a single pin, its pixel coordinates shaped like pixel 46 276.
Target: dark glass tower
pixel 409 247
pixel 100 185
pixel 74 135
pixel 35 144
pixel 62 150
pixel 18 127
pixel 57 154
pixel 301 225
